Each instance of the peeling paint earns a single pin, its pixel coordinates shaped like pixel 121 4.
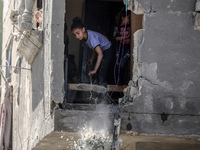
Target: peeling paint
pixel 148 103
pixel 138 39
pixel 169 103
pixel 185 86
pixel 178 13
pixel 138 9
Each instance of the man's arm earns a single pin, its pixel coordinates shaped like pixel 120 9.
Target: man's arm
pixel 89 62
pixel 99 59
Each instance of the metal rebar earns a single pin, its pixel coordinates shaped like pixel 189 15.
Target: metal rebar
pixel 26 37
pixel 15 67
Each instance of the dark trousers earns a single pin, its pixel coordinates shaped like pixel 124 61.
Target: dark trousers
pixel 105 64
pixel 122 61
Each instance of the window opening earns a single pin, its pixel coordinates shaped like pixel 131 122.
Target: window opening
pixel 38 15
pixel 39 4
pixel 9 63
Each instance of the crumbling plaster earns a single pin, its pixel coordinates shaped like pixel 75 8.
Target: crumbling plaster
pixel 166 69
pixel 40 86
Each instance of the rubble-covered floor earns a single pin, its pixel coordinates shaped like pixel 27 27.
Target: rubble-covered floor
pixel 65 141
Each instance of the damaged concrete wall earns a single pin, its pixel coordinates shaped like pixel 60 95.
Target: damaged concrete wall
pixel 165 83
pixel 36 86
pixel 56 43
pixel 31 118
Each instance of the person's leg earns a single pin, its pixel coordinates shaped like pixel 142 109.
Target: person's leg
pixel 107 57
pixel 118 50
pixel 123 64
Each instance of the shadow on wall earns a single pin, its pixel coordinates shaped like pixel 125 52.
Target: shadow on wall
pixel 37 82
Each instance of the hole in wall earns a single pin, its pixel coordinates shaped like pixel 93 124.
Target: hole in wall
pixel 164 117
pixel 97 15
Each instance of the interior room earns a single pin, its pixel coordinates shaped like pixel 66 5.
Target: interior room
pixel 101 16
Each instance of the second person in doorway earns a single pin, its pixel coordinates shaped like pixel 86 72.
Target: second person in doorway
pixel 100 46
pixel 122 35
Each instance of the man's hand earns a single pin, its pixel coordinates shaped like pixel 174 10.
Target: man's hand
pixel 92 72
pixel 89 62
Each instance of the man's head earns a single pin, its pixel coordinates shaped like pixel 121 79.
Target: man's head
pixel 38 16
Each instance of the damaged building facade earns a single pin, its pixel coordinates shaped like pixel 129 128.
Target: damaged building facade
pixel 162 95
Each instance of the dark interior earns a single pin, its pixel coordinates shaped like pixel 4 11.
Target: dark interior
pixel 100 16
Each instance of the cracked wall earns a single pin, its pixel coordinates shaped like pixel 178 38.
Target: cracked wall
pixel 166 69
pixel 36 85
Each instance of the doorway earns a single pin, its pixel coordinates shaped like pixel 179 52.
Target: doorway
pixel 99 16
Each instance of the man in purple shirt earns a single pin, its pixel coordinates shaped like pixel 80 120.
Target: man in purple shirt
pixel 101 46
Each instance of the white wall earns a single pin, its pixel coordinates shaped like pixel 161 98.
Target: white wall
pixel 5 7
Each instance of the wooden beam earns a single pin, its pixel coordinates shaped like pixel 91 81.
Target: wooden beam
pixel 96 88
pixel 87 87
pixel 116 88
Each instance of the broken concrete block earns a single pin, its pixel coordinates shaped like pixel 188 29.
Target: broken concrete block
pixel 133 91
pixel 197 21
pixel 197 6
pixel 138 38
pixel 138 9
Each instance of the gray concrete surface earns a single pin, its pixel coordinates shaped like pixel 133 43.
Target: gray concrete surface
pixel 66 140
pixel 164 97
pixel 166 71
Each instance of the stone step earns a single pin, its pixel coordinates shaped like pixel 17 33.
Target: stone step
pixel 62 140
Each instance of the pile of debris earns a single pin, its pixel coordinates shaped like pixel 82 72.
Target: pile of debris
pixel 93 140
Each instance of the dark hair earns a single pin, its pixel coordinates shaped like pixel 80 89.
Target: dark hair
pixel 121 14
pixel 77 23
